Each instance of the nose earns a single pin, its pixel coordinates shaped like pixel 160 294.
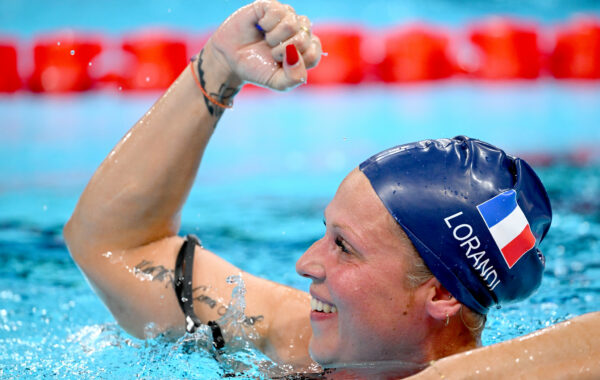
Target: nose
pixel 310 264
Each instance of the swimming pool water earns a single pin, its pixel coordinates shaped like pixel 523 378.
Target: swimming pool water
pixel 113 17
pixel 275 162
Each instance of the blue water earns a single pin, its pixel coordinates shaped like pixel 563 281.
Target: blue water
pixel 272 166
pixel 274 163
pixel 30 17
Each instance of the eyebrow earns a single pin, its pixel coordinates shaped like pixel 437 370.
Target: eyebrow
pixel 338 225
pixel 347 228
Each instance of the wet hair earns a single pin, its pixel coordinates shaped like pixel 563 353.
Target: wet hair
pixel 418 274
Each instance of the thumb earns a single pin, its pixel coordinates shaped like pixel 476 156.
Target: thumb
pixel 293 73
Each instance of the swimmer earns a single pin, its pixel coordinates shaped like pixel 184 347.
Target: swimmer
pixel 421 240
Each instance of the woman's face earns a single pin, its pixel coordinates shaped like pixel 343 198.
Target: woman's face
pixel 362 309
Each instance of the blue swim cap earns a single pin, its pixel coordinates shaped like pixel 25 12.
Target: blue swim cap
pixel 475 215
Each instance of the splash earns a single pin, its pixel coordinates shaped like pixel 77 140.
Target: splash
pixel 240 356
pixel 238 329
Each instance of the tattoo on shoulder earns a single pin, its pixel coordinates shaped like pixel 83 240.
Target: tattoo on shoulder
pixel 224 95
pixel 156 272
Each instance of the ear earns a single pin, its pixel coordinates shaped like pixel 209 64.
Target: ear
pixel 439 303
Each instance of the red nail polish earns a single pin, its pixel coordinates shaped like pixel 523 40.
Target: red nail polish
pixel 291 55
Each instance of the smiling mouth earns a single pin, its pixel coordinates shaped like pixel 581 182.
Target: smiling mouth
pixel 320 306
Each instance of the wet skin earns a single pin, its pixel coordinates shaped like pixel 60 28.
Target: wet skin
pixel 359 266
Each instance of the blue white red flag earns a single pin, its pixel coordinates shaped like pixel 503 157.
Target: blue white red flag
pixel 508 226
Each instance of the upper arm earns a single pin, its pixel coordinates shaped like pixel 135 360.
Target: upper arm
pixel 567 350
pixel 137 285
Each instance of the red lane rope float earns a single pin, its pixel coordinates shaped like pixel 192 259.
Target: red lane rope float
pixel 416 53
pixel 159 57
pixel 62 61
pixel 341 61
pixel 497 48
pixel 508 49
pixel 9 77
pixel 577 51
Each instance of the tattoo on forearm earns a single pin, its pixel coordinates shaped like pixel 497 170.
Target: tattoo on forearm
pixel 222 309
pixel 156 272
pixel 224 95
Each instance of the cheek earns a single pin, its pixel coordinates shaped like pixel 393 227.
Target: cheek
pixel 350 285
pixel 372 297
pixel 358 295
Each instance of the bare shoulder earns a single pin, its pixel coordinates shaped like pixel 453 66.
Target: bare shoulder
pixel 567 350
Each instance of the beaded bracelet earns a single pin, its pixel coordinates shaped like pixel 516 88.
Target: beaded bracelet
pixel 210 98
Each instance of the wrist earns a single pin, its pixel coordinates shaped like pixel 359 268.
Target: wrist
pixel 216 71
pixel 218 85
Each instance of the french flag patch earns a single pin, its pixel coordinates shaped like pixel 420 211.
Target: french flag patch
pixel 508 225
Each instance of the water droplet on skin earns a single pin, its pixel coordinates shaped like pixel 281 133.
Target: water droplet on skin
pixel 72 52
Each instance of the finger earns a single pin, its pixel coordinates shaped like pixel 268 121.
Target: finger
pixel 305 24
pixel 293 65
pixel 289 8
pixel 269 14
pixel 312 55
pixel 287 28
pixel 293 73
pixel 301 40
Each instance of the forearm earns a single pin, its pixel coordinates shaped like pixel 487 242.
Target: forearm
pixel 136 194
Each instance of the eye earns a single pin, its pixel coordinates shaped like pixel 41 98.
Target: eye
pixel 340 243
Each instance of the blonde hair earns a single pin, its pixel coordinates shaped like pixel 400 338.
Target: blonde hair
pixel 418 273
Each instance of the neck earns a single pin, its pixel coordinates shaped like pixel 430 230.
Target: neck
pixel 449 340
pixel 441 342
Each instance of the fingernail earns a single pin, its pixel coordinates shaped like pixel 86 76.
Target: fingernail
pixel 291 55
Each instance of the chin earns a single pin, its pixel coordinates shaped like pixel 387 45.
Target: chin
pixel 321 354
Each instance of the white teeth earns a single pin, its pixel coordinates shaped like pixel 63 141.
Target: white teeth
pixel 317 305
